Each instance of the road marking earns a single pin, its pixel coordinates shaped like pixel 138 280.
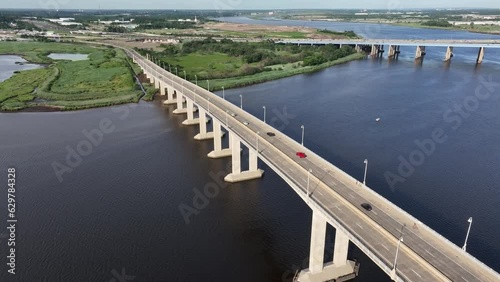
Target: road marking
pixel 465 279
pixel 374 212
pixel 430 253
pixel 384 247
pixel 350 195
pixel 416 273
pixel 320 193
pixel 359 226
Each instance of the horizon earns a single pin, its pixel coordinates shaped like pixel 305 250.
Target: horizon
pixel 248 5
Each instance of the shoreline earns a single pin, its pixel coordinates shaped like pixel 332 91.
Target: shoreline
pixel 238 82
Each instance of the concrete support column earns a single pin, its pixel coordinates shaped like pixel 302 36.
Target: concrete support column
pixel 392 51
pixel 480 55
pixel 190 114
pixel 162 88
pixel 217 135
pixel 341 248
pixel 157 83
pixel 170 94
pixel 253 160
pixel 420 52
pixel 317 249
pixel 374 51
pixel 237 175
pixel 449 54
pixel 204 135
pixel 180 104
pixel 236 158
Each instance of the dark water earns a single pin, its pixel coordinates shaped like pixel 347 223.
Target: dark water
pixel 8 66
pixel 120 207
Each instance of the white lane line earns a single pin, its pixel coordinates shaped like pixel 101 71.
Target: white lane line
pixel 350 195
pixel 430 253
pixel 320 193
pixel 416 273
pixel 464 279
pixel 374 212
pixel 359 226
pixel 385 247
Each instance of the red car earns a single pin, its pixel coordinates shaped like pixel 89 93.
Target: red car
pixel 301 155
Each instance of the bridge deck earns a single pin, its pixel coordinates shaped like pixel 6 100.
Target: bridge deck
pixel 409 42
pixel 424 255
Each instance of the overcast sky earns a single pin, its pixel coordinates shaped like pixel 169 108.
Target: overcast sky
pixel 246 4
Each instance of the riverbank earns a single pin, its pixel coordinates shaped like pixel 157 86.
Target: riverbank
pixel 231 64
pixel 288 71
pixel 105 79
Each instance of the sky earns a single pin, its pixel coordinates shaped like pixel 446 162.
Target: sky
pixel 247 4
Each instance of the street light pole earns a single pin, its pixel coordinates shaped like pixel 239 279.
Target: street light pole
pixel 264 107
pixel 303 129
pixel 184 74
pixel 196 79
pixel 241 102
pixel 176 71
pixel 393 272
pixel 366 169
pixel 208 85
pixel 467 237
pixel 223 93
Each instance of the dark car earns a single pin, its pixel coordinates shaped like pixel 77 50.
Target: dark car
pixel 301 155
pixel 366 206
pixel 271 134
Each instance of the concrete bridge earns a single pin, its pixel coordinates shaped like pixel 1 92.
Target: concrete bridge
pixel 375 47
pixel 402 246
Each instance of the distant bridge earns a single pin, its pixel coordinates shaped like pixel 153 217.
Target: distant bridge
pixel 375 47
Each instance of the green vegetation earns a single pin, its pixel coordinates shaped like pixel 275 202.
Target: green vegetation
pixel 236 64
pixel 349 34
pixel 438 23
pixel 103 80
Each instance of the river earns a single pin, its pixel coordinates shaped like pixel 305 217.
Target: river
pixel 118 210
pixel 10 64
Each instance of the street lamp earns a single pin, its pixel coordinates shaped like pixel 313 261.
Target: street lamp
pixel 184 74
pixel 241 102
pixel 208 85
pixel 303 129
pixel 393 272
pixel 196 79
pixel 169 68
pixel 176 71
pixel 467 237
pixel 223 93
pixel 366 169
pixel 264 107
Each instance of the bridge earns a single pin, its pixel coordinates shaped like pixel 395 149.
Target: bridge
pixel 375 47
pixel 402 246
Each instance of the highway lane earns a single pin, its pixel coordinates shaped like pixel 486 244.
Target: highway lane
pixel 385 218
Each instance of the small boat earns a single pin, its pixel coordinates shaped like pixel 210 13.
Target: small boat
pixel 377 120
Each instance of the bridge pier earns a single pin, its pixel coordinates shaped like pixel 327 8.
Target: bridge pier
pixel 340 269
pixel 204 135
pixel 180 105
pixel 480 55
pixel 190 114
pixel 170 100
pixel 374 51
pixel 394 51
pixel 420 52
pixel 218 152
pixel 449 54
pixel 157 83
pixel 162 88
pixel 237 175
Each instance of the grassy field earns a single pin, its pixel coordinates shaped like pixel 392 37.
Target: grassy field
pixel 278 72
pixel 104 79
